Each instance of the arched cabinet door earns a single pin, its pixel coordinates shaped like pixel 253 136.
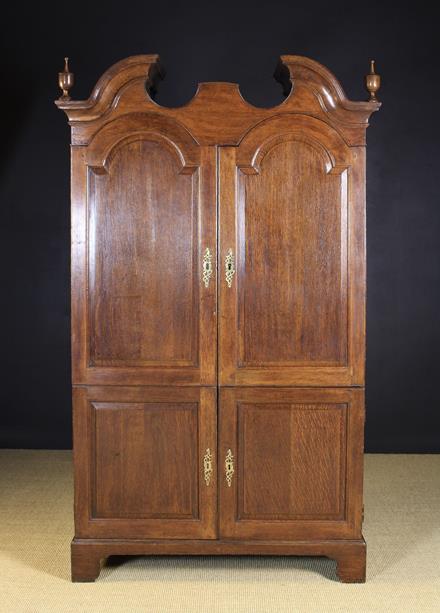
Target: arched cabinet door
pixel 143 255
pixel 291 256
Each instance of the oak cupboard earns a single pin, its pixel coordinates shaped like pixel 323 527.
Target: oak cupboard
pixel 218 317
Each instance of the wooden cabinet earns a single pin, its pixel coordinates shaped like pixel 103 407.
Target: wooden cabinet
pixel 218 285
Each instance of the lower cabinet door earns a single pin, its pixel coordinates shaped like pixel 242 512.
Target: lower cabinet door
pixel 145 462
pixel 290 463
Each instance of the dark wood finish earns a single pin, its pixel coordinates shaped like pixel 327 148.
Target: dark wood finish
pixel 141 221
pixel 218 114
pixel 292 213
pixel 350 555
pixel 142 469
pixel 298 463
pixel 139 273
pixel 139 462
pixel 285 343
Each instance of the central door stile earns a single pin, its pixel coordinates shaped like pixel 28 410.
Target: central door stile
pixel 228 266
pixel 208 276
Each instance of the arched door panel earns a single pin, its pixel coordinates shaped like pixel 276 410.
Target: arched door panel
pixel 147 223
pixel 290 309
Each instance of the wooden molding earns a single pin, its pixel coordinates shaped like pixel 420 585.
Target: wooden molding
pixel 129 85
pixel 88 554
pixel 136 67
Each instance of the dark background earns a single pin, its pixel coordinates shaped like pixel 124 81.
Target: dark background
pixel 239 42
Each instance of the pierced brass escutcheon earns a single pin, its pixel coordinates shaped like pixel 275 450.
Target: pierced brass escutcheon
pixel 207 267
pixel 229 467
pixel 229 267
pixel 207 466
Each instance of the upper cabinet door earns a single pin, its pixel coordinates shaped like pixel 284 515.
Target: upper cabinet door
pixel 292 256
pixel 144 253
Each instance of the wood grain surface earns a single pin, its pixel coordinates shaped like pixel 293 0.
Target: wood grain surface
pixel 218 282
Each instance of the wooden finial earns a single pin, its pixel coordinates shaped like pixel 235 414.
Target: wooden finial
pixel 65 80
pixel 372 81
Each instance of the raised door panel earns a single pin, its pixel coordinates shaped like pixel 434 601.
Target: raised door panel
pixel 290 464
pixel 143 298
pixel 143 312
pixel 292 311
pixel 145 462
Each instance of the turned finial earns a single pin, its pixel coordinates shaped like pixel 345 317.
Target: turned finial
pixel 372 81
pixel 65 80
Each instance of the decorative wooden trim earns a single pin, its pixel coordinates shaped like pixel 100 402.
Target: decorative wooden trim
pixel 350 555
pixel 129 86
pixel 254 146
pixel 135 67
pixel 148 126
pixel 293 71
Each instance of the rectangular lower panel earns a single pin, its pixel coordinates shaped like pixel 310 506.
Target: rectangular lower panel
pixel 140 462
pixel 294 460
pixel 145 460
